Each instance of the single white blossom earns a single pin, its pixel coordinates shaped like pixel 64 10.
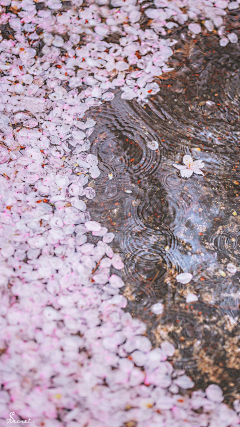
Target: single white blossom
pixel 190 166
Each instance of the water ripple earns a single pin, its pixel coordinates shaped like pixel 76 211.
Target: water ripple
pixel 165 224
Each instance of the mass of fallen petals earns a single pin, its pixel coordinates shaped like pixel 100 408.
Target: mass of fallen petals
pixel 70 355
pixel 190 166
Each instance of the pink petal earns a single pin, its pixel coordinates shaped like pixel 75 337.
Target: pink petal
pixel 198 171
pixel 187 160
pixel 186 173
pixel 184 278
pixel 180 167
pixel 198 164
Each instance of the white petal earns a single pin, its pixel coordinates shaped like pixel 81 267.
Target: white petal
pixel 231 268
pixel 153 145
pixel 157 308
pixel 191 298
pixel 186 173
pixel 184 382
pixel 184 278
pixel 187 160
pixel 198 171
pixel 180 167
pixel 198 164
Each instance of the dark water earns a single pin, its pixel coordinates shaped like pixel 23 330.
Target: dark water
pixel 165 224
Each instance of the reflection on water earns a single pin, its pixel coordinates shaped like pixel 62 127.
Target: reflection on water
pixel 165 224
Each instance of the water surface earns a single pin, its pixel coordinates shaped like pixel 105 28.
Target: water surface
pixel 165 224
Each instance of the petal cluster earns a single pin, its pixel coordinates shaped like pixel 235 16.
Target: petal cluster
pixel 70 355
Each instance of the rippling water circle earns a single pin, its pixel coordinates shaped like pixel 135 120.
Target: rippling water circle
pixel 165 224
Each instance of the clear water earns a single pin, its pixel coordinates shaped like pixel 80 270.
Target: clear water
pixel 165 224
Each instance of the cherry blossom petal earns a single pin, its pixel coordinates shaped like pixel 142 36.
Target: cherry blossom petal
pixel 186 173
pixel 198 171
pixel 184 278
pixel 180 167
pixel 187 160
pixel 198 164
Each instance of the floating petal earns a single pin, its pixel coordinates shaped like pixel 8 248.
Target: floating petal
pixel 180 167
pixel 198 164
pixel 184 278
pixel 198 171
pixel 187 160
pixel 186 173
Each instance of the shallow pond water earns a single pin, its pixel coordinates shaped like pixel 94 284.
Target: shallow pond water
pixel 165 224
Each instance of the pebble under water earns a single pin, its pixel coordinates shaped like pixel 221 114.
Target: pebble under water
pixel 165 224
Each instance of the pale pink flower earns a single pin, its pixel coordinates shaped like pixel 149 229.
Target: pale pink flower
pixel 190 166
